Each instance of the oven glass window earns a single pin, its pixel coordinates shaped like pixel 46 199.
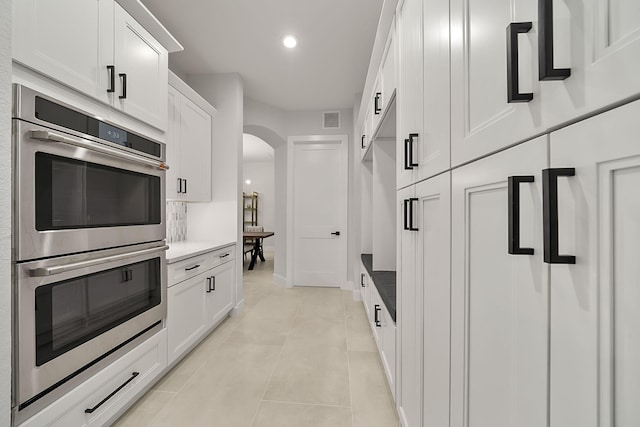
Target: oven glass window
pixel 74 311
pixel 73 194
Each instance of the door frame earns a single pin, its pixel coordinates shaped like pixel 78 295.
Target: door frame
pixel 316 139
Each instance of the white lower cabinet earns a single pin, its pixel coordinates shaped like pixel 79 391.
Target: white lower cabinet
pixel 365 290
pixel 500 301
pixel 137 369
pixel 384 332
pixel 200 295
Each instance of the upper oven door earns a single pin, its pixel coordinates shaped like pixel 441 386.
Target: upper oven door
pixel 74 195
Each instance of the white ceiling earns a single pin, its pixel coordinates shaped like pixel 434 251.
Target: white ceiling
pixel 255 149
pixel 325 71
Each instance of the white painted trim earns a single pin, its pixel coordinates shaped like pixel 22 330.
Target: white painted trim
pixel 238 309
pixel 178 84
pixel 279 280
pixel 318 139
pixel 140 13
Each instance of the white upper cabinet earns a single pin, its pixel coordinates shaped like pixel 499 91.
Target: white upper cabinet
pixel 410 89
pixel 189 144
pixel 595 303
pixel 97 48
pixel 388 70
pixel 141 67
pixel 599 42
pixel 482 118
pixel 50 38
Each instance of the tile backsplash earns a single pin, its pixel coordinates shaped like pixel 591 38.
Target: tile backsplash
pixel 176 222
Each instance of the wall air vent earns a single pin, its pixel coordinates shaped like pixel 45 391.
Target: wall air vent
pixel 331 120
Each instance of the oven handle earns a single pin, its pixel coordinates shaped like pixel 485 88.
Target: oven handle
pixel 45 135
pixel 50 271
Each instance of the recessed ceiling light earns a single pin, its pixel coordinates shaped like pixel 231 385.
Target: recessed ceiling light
pixel 248 182
pixel 289 41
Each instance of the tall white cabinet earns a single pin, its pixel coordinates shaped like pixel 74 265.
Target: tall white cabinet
pixel 517 157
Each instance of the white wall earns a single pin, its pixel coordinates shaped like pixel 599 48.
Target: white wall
pixel 275 126
pixel 221 219
pixel 5 212
pixel 261 174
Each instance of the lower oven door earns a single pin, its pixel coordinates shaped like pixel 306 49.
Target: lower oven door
pixel 73 312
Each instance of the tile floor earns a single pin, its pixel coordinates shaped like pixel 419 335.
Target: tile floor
pixel 302 357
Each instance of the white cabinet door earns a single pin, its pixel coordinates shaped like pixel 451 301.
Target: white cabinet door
pixel 600 42
pixel 482 121
pixel 365 290
pixel 595 303
pixel 432 270
pixel 195 143
pixel 409 313
pixel 434 144
pixel 186 320
pixel 499 319
pixel 389 69
pixel 388 348
pixel 410 89
pixel 50 37
pixel 142 68
pixel 174 153
pixel 376 104
pixel 220 293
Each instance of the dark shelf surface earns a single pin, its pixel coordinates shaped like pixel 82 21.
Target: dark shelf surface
pixel 385 282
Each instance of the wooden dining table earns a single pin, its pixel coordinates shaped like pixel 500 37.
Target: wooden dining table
pixel 257 237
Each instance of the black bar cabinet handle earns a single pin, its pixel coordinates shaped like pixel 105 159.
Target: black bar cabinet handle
pixel 192 268
pixel 410 225
pixel 111 69
pixel 179 185
pixel 376 103
pixel 513 94
pixel 185 185
pixel 514 215
pixel 376 319
pixel 362 280
pixel 92 410
pixel 208 284
pixel 406 214
pixel 213 283
pixel 123 76
pixel 550 215
pixel 224 256
pixel 362 141
pixel 545 44
pixel 407 166
pixel 412 137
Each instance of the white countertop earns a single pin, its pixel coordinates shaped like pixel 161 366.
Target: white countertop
pixel 186 249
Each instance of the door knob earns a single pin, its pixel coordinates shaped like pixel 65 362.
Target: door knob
pixel 336 233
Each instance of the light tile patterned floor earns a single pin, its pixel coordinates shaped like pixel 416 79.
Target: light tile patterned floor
pixel 302 357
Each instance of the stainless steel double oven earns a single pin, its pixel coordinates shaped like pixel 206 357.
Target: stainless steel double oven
pixel 88 244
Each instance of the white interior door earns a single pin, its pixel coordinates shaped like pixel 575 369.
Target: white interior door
pixel 318 210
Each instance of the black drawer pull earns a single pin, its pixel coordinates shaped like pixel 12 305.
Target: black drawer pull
pixel 224 256
pixel 513 81
pixel 192 268
pixel 514 215
pixel 376 318
pixel 112 78
pixel 362 280
pixel 545 44
pixel 92 410
pixel 362 141
pixel 550 214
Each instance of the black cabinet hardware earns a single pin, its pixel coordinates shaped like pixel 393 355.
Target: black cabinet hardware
pixel 123 76
pixel 545 44
pixel 213 283
pixel 376 317
pixel 376 104
pixel 362 141
pixel 102 402
pixel 185 185
pixel 513 81
pixel 112 78
pixel 179 185
pixel 407 166
pixel 208 284
pixel 224 256
pixel 192 268
pixel 412 137
pixel 335 233
pixel 514 215
pixel 408 214
pixel 362 280
pixel 550 215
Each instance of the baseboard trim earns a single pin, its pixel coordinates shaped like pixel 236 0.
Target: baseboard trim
pixel 347 286
pixel 238 309
pixel 279 280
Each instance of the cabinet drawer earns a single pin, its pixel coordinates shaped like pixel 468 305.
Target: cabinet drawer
pixel 148 360
pixel 190 267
